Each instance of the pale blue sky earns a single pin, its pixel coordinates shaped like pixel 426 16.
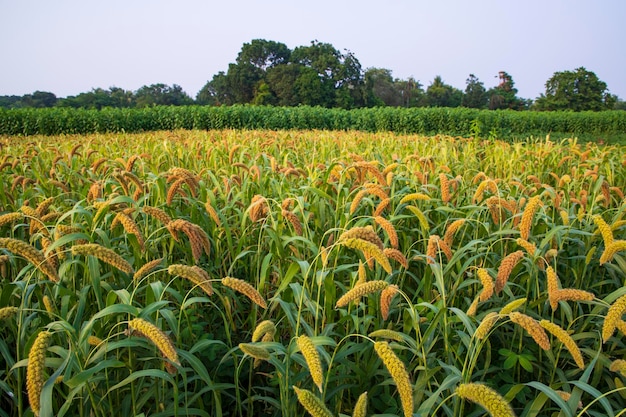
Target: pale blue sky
pixel 71 46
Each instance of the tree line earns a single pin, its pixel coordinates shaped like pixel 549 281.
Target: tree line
pixel 269 73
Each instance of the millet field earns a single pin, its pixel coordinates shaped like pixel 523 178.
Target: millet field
pixel 311 272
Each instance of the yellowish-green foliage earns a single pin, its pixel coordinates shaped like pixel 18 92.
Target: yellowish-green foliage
pixel 412 264
pixel 486 324
pixel 8 312
pixel 264 331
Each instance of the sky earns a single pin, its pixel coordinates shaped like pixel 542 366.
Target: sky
pixel 71 46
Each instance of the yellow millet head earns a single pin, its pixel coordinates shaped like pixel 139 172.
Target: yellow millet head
pixel 398 373
pixel 35 369
pixel 487 398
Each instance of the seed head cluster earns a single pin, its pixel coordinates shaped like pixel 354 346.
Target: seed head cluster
pixel 35 369
pixel 398 373
pixel 157 337
pixel 487 398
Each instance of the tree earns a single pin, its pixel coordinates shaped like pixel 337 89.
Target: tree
pixel 411 92
pixel 349 82
pixel 263 54
pixel 242 80
pixel 99 98
pixel 504 96
pixel 440 94
pixel 121 97
pixel 267 72
pixel 576 90
pixel 215 92
pixel 380 89
pixel 162 95
pixel 9 102
pixel 340 77
pixel 322 61
pixel 475 93
pixel 263 95
pixel 281 80
pixel 37 99
pixel 311 89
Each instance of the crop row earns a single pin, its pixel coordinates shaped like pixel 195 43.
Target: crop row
pixel 607 126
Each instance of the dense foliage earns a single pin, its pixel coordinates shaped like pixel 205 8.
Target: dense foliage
pixel 604 126
pixel 227 273
pixel 576 90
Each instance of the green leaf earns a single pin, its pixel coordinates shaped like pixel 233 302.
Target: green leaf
pixel 553 395
pixel 46 391
pixel 525 363
pixel 600 397
pixel 116 309
pixel 82 377
pixel 145 373
pixel 286 279
pixel 65 239
pixel 510 362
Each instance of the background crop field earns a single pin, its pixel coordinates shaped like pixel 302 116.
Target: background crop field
pixel 246 273
pixel 605 126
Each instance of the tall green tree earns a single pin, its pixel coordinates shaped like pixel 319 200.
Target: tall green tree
pixel 37 99
pixel 242 80
pixel 263 54
pixel 9 102
pixel 215 92
pixel 350 83
pixel 504 95
pixel 312 90
pixel 316 83
pixel 340 77
pixel 380 88
pixel 411 91
pixel 99 98
pixel 576 90
pixel 245 81
pixel 440 94
pixel 161 95
pixel 475 96
pixel 121 97
pixel 281 80
pixel 262 95
pixel 267 72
